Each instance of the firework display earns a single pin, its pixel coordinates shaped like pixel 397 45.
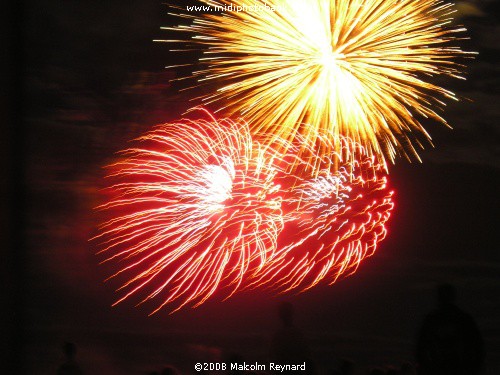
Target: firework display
pixel 297 194
pixel 194 209
pixel 199 207
pixel 353 68
pixel 333 220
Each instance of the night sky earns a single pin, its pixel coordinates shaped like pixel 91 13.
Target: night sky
pixel 91 79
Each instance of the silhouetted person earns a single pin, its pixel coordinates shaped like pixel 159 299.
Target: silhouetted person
pixel 407 369
pixel 289 346
pixel 449 342
pixel 169 370
pixel 70 367
pixel 234 358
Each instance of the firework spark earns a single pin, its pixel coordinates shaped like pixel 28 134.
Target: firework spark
pixel 350 68
pixel 194 209
pixel 333 220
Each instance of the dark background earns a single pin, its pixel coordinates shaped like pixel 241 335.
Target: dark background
pixel 84 78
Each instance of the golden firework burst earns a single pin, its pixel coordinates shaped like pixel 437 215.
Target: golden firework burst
pixel 308 68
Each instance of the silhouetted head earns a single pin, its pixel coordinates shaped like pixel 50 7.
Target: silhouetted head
pixel 446 295
pixel 169 370
pixel 69 350
pixel 407 369
pixel 285 311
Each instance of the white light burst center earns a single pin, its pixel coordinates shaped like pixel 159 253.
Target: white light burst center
pixel 216 185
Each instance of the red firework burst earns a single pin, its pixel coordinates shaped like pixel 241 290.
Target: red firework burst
pixel 194 209
pixel 334 217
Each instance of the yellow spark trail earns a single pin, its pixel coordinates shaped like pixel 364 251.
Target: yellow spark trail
pixel 310 68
